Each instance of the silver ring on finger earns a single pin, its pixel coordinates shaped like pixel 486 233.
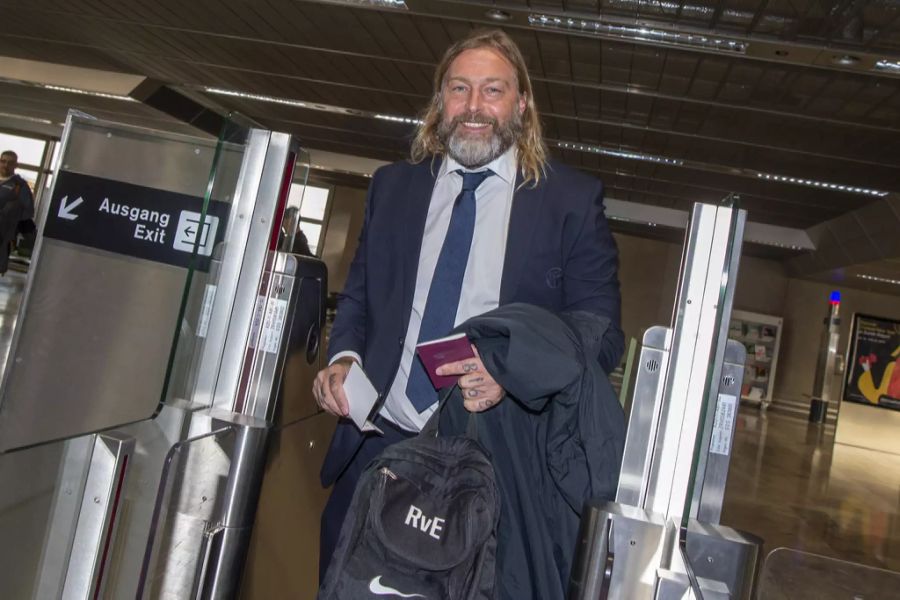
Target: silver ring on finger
pixel 472 393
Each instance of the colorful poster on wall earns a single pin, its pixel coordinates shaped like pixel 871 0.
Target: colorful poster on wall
pixel 873 362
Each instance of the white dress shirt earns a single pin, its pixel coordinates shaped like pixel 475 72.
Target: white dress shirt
pixel 481 283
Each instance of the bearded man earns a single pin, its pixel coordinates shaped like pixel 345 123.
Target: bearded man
pixel 479 217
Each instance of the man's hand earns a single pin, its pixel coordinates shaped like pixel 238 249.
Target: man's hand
pixel 328 388
pixel 480 391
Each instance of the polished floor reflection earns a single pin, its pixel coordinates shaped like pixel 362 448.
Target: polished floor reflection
pixel 790 484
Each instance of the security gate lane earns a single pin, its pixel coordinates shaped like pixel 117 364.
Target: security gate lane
pixel 661 538
pixel 144 378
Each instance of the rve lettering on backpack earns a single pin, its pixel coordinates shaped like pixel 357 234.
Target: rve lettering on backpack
pixel 416 519
pixel 422 524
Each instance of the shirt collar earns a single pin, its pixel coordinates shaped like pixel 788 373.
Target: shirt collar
pixel 504 166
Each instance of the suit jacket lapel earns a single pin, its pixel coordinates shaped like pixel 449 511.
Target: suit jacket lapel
pixel 418 199
pixel 526 210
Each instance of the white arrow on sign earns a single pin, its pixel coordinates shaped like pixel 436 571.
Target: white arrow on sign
pixel 65 209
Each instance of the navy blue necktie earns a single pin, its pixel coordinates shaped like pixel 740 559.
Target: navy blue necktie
pixel 446 285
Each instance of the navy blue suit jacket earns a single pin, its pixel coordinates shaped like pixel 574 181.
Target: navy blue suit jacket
pixel 560 256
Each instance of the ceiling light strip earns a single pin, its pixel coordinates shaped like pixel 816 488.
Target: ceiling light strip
pixel 822 184
pixel 777 245
pixel 879 279
pixel 69 90
pixel 312 106
pixel 7 115
pixel 638 33
pixel 574 146
pixel 395 119
pixel 258 97
pixel 392 4
pixel 618 153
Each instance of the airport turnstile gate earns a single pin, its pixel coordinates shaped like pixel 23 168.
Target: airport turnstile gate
pixel 148 368
pixel 147 375
pixel 661 538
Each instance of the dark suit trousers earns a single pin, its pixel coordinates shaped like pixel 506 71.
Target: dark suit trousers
pixel 342 492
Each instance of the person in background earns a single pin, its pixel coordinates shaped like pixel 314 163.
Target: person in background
pixel 291 224
pixel 16 206
pixel 479 217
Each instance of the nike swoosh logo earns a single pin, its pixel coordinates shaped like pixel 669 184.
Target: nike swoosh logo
pixel 378 589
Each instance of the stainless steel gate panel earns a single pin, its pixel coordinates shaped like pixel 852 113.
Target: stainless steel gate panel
pixel 245 257
pixel 98 516
pixel 678 444
pixel 720 425
pixel 153 439
pixel 677 586
pixel 86 310
pixel 722 554
pixel 173 517
pixel 30 509
pixel 208 489
pixel 696 358
pixel 643 420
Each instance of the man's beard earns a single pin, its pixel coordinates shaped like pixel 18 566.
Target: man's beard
pixel 473 153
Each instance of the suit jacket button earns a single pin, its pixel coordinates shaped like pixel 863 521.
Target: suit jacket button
pixel 400 341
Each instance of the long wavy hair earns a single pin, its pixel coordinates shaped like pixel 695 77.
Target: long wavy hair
pixel 532 153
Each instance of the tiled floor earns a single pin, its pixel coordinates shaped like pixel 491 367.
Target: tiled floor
pixel 791 485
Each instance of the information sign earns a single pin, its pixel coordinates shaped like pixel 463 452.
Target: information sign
pixel 133 220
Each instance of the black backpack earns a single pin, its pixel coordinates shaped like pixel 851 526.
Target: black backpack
pixel 422 524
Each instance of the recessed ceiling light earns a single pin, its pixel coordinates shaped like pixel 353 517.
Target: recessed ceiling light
pixel 845 60
pixel 498 15
pixel 888 66
pixel 639 33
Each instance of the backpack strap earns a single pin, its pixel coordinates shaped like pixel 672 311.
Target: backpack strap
pixel 431 426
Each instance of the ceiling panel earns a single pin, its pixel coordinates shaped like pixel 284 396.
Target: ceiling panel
pixel 726 118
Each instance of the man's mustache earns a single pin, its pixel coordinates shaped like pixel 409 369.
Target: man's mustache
pixel 473 118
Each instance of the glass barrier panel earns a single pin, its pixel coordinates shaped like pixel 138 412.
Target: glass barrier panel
pixel 199 293
pixel 117 242
pixel 97 306
pixel 724 295
pixel 40 495
pixel 710 543
pixel 794 575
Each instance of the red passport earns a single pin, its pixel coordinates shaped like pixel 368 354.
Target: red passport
pixel 439 352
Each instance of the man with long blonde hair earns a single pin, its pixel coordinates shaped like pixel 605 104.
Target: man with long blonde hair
pixel 479 217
